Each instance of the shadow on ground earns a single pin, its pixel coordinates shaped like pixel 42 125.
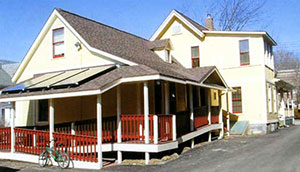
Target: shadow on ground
pixel 7 169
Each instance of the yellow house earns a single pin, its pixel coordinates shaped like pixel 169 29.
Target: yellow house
pixel 244 58
pixel 82 79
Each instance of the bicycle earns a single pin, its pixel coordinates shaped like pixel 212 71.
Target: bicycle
pixel 62 159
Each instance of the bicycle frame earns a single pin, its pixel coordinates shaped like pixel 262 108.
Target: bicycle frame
pixel 52 152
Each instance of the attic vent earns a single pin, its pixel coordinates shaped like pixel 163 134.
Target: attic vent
pixel 176 29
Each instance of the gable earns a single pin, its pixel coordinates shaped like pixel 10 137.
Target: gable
pixel 182 42
pixel 192 25
pixel 41 59
pixel 214 79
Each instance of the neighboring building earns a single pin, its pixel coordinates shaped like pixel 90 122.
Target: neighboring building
pixel 7 71
pixel 291 76
pixel 244 58
pixel 82 79
pixel 285 103
pixel 292 96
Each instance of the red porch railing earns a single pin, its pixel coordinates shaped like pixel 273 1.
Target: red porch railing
pixel 165 127
pixel 79 147
pixel 215 112
pixel 5 138
pixel 200 116
pixel 30 141
pixel 89 128
pixel 133 127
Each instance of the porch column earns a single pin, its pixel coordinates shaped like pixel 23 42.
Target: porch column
pixel 146 119
pixel 12 126
pixel 221 115
pixel 139 109
pixel 209 113
pixel 34 102
pixel 99 130
pixel 167 98
pixel 228 114
pixel 191 113
pixel 288 103
pixel 119 134
pixel 174 134
pixel 51 121
pixel 293 108
pixel 155 129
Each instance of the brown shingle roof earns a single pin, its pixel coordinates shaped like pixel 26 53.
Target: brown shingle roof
pixel 124 45
pixel 94 84
pixel 118 43
pixel 201 72
pixel 196 24
pixel 158 44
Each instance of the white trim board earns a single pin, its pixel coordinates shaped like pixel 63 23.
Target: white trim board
pixel 34 159
pixel 174 13
pixel 153 148
pixel 96 92
pixel 198 132
pixel 263 33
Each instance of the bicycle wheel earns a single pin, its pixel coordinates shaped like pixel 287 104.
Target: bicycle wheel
pixel 63 160
pixel 43 159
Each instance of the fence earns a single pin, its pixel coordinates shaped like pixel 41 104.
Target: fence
pixel 5 138
pixel 79 147
pixel 30 141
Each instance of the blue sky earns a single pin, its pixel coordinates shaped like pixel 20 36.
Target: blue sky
pixel 22 20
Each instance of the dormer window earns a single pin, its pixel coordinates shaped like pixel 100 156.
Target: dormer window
pixel 195 56
pixel 58 43
pixel 244 52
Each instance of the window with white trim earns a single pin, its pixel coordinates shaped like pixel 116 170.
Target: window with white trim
pixel 195 56
pixel 237 100
pixel 58 43
pixel 244 52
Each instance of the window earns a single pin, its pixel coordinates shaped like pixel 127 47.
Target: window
pixel 195 56
pixel 43 110
pixel 176 28
pixel 244 52
pixel 237 100
pixel 168 56
pixel 58 43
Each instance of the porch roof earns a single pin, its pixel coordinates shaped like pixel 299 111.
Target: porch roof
pixel 284 85
pixel 106 81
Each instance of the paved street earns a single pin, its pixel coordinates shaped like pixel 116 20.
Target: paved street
pixel 279 151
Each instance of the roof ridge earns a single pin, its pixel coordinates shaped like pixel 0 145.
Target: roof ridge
pixel 189 18
pixel 97 22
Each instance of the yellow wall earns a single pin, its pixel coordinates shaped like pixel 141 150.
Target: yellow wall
pixel 83 108
pixel 43 61
pixel 214 97
pixel 181 98
pixel 182 43
pixel 269 74
pixel 223 51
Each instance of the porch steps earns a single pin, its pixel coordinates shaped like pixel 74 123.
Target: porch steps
pixel 239 128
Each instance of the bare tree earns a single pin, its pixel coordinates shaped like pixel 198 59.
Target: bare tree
pixel 236 14
pixel 286 60
pixel 231 14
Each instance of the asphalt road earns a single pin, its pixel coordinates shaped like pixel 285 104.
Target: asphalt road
pixel 278 151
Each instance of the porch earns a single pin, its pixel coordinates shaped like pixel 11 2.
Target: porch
pixel 285 103
pixel 165 131
pixel 130 115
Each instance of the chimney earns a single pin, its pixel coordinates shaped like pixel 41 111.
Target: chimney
pixel 209 22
